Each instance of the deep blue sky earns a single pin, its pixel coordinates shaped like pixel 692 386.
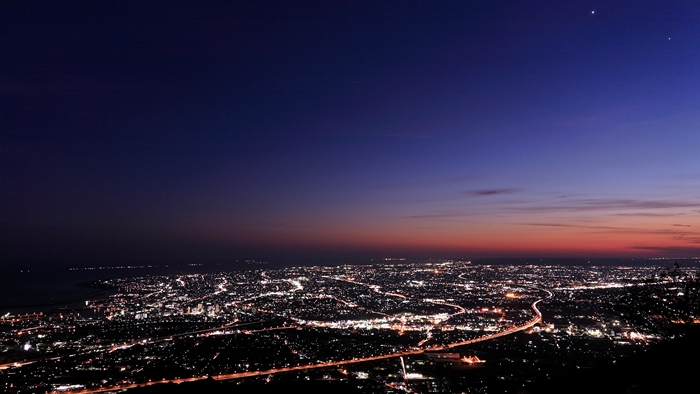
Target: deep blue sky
pixel 254 129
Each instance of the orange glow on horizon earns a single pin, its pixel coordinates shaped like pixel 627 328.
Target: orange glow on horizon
pixel 601 235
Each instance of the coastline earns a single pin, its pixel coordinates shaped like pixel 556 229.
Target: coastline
pixel 73 303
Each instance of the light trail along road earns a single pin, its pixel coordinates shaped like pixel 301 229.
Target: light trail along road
pixel 237 375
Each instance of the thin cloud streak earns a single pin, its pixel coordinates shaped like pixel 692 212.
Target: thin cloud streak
pixel 574 226
pixel 522 207
pixel 410 184
pixel 615 229
pixel 441 215
pixel 646 214
pixel 669 250
pixel 493 192
pixel 605 204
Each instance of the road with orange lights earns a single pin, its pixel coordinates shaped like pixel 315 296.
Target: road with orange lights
pixel 238 375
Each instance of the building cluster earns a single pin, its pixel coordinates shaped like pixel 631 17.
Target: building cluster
pixel 179 327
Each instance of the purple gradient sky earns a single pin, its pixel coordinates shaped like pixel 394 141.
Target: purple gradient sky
pixel 255 130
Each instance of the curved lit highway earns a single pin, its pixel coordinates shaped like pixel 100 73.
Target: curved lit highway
pixel 238 375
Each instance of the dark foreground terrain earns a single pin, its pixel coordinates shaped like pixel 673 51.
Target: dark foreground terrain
pixel 669 367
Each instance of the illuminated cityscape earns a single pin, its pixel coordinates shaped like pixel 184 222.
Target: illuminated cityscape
pixel 478 197
pixel 390 324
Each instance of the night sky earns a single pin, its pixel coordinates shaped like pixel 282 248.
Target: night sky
pixel 138 130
